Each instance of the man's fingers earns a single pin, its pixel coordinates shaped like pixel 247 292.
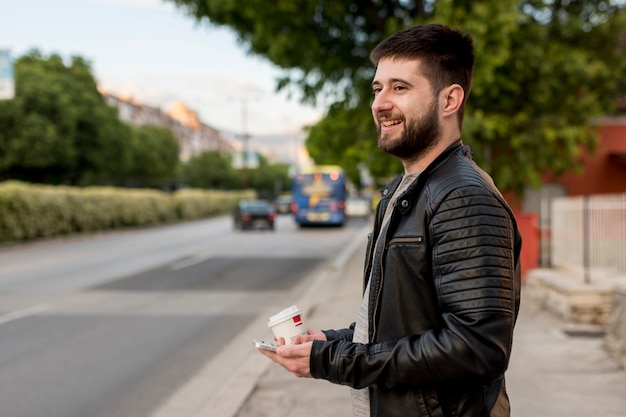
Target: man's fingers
pixel 301 339
pixel 294 350
pixel 272 355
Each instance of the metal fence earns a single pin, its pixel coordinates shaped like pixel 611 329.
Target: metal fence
pixel 588 234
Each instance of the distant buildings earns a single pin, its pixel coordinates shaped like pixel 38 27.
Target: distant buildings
pixel 194 137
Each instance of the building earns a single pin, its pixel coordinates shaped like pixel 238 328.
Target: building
pixel 604 170
pixel 194 137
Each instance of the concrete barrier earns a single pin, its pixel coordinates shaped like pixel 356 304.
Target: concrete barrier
pixel 616 335
pixel 569 297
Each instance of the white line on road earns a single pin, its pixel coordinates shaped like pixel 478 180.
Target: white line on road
pixel 194 260
pixel 25 312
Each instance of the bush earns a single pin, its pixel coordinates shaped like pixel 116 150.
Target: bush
pixel 195 204
pixel 29 211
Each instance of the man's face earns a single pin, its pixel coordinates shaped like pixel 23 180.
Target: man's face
pixel 405 109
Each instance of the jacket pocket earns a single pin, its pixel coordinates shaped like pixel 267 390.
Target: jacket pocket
pixel 407 240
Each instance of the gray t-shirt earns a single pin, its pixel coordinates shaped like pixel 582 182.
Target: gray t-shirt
pixel 360 397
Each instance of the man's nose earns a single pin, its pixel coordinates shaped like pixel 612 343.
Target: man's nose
pixel 381 102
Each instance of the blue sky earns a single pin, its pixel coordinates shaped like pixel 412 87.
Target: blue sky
pixel 154 52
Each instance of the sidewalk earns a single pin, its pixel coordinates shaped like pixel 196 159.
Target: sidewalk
pixel 551 374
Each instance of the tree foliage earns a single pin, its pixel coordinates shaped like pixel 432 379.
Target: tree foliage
pixel 544 68
pixel 154 153
pixel 58 129
pixel 213 170
pixel 269 179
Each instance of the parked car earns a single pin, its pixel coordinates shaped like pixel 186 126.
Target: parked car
pixel 284 205
pixel 251 214
pixel 358 207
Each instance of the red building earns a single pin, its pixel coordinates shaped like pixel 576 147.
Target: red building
pixel 604 172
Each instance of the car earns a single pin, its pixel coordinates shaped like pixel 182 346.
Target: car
pixel 358 207
pixel 253 214
pixel 284 205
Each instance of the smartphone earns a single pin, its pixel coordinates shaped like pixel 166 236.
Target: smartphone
pixel 264 345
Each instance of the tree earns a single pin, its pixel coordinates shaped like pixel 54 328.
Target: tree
pixel 154 156
pixel 58 129
pixel 211 169
pixel 269 180
pixel 102 140
pixel 544 68
pixel 35 125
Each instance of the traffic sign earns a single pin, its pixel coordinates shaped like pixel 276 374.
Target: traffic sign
pixel 7 83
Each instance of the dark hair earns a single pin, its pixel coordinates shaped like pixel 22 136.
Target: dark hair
pixel 447 55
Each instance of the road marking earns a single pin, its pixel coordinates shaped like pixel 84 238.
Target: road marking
pixel 25 312
pixel 192 260
pixel 185 263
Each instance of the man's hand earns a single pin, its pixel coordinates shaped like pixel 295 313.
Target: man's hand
pixel 311 335
pixel 296 357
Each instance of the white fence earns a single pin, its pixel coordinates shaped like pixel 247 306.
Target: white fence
pixel 588 234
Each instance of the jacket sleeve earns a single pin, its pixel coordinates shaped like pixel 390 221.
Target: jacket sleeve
pixel 342 334
pixel 475 252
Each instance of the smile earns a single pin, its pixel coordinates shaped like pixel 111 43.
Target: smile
pixel 388 123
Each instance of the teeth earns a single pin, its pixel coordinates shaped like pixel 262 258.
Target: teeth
pixel 387 123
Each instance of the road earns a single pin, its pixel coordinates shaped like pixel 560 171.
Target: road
pixel 114 324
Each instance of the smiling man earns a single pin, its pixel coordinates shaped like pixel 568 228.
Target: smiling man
pixel 434 333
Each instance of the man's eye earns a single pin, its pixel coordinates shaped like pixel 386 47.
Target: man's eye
pixel 375 91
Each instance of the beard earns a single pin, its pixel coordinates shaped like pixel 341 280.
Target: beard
pixel 418 137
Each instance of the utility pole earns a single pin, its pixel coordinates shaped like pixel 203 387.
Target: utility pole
pixel 245 137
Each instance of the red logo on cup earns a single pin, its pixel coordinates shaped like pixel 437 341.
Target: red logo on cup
pixel 297 320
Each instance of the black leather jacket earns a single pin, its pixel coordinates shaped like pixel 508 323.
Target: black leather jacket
pixel 443 302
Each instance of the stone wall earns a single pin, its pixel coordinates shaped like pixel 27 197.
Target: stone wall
pixel 601 303
pixel 616 336
pixel 569 297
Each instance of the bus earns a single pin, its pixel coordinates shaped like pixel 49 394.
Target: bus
pixel 319 196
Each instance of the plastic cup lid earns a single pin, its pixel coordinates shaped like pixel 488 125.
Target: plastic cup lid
pixel 283 315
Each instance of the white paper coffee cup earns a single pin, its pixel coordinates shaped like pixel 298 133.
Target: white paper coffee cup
pixel 287 324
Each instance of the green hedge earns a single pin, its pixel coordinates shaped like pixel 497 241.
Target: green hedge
pixel 29 211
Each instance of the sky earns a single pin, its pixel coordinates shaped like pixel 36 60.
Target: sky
pixel 152 51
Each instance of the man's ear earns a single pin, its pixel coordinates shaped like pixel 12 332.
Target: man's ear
pixel 452 97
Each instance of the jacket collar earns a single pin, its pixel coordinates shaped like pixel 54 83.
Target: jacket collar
pixel 388 191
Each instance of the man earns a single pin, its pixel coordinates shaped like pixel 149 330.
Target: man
pixel 442 277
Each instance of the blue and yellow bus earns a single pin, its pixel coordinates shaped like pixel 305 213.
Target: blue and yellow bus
pixel 319 196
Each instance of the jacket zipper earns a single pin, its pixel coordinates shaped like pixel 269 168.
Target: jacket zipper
pixel 376 300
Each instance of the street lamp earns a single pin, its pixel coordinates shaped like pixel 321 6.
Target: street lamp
pixel 245 137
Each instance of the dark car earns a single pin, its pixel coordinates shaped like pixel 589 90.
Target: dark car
pixel 254 214
pixel 284 205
